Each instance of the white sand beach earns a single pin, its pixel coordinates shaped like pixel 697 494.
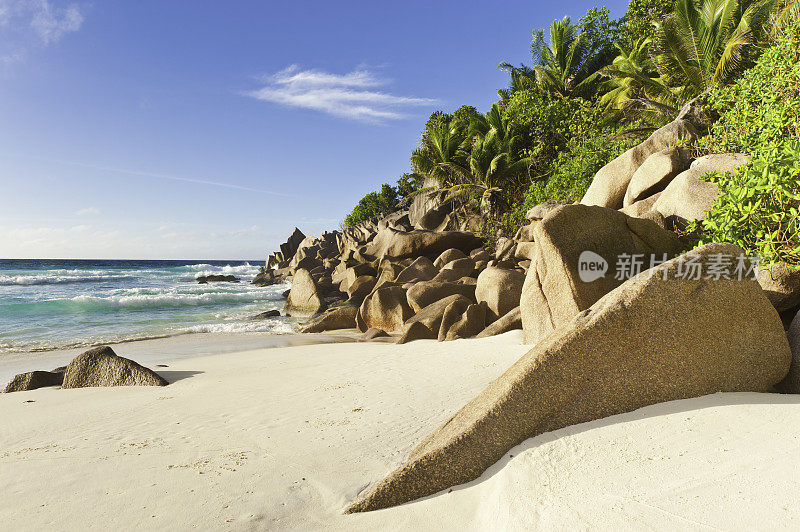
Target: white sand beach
pixel 284 438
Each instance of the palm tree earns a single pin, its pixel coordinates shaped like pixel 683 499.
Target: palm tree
pixel 701 44
pixel 493 170
pixel 635 89
pixel 566 67
pixel 442 154
pixel 493 120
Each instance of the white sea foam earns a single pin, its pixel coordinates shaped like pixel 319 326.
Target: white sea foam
pixel 83 277
pixel 172 299
pixel 267 326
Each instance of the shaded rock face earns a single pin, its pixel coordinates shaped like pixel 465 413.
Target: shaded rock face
pixel 731 340
pixel 656 172
pixel 386 308
pixel 374 333
pixel 500 290
pixel 511 321
pixel 360 289
pixel 611 181
pixel 304 297
pixel 416 331
pixel 102 367
pixel 343 317
pixel 688 197
pixel 425 293
pixel 554 291
pixel 781 285
pixel 458 322
pixel 791 383
pixel 34 380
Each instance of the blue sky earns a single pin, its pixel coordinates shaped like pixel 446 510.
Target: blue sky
pixel 197 129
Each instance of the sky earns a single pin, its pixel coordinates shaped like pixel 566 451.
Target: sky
pixel 198 129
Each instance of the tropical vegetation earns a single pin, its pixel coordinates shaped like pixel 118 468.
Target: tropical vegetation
pixel 596 87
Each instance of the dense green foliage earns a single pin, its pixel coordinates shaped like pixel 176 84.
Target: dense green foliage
pixel 385 201
pixel 594 88
pixel 757 208
pixel 759 115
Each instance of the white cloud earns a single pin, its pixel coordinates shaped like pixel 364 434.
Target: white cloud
pixel 342 95
pixel 51 23
pixel 26 24
pixel 88 211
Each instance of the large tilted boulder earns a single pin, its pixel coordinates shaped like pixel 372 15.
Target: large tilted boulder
pixel 781 284
pixel 611 181
pixel 396 245
pixel 34 380
pixel 343 317
pixel 649 341
pixel 510 322
pixel 656 172
pixel 102 367
pixel 304 297
pixel 423 294
pixel 687 197
pixel 500 290
pixel 556 289
pixel 538 212
pixel 386 308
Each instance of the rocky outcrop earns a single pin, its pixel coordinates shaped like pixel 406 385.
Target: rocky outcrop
pixel 791 383
pixel 360 288
pixel 611 181
pixel 422 269
pixel 621 354
pixel 386 308
pixel 102 367
pixel 266 315
pixel 499 290
pixel 304 298
pixel 397 245
pixel 343 317
pixel 556 288
pixel 656 172
pixel 203 279
pixel 449 256
pixel 458 322
pixel 423 294
pixel 34 380
pixel 688 197
pixel 431 316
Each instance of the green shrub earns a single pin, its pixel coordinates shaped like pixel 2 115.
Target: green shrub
pixel 758 205
pixel 762 108
pixel 372 205
pixel 757 208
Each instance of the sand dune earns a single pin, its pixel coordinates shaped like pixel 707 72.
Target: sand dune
pixel 284 438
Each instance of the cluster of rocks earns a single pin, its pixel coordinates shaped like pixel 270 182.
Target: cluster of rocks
pixel 100 366
pixel 203 279
pixel 606 344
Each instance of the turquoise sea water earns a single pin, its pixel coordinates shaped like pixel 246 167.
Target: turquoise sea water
pixel 54 304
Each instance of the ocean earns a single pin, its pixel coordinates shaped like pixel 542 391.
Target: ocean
pixel 62 304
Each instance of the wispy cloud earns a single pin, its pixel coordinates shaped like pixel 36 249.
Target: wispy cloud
pixel 26 24
pixel 138 173
pixel 88 211
pixel 353 95
pixel 51 23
